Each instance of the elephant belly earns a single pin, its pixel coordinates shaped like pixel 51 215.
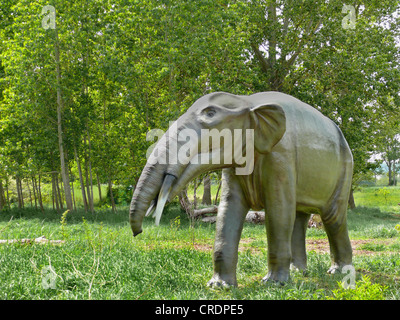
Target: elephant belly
pixel 318 173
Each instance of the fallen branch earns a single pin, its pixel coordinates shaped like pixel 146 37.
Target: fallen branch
pixel 252 217
pixel 200 212
pixel 40 240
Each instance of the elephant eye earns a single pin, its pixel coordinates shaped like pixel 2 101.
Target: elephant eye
pixel 210 112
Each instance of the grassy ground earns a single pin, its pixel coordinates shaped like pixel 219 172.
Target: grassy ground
pixel 100 259
pixel 385 198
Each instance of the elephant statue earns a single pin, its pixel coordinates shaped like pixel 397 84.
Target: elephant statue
pixel 301 163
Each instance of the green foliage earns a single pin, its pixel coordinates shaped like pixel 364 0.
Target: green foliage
pixel 385 192
pixel 364 290
pixel 64 225
pixel 386 198
pixel 127 67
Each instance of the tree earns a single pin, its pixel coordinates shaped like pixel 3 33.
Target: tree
pixel 207 190
pixel 302 49
pixel 388 138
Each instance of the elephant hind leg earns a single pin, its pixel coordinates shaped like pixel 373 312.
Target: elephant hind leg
pixel 335 223
pixel 299 256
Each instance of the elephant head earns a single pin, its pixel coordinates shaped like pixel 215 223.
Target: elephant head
pixel 185 151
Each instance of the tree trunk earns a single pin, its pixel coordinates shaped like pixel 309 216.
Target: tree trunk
pixel 19 192
pixel 390 173
pixel 8 195
pixel 111 196
pixel 60 107
pixel 37 188
pixel 216 196
pixel 54 192
pixel 185 203
pixel 34 191
pixel 88 184
pixel 60 198
pixel 78 164
pixel 40 194
pixel 73 195
pixel 30 193
pixel 2 200
pixel 99 186
pixel 201 212
pixel 207 190
pixel 352 204
pixel 91 204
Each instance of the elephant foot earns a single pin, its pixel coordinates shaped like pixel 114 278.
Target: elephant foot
pixel 218 282
pixel 278 277
pixel 336 268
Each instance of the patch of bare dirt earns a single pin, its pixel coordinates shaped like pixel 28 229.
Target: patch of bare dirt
pixel 319 246
pixel 322 246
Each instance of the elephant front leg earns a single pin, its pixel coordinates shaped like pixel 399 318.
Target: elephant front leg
pixel 231 215
pixel 280 209
pixel 279 247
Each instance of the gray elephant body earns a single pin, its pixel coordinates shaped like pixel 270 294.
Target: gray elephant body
pixel 313 150
pixel 302 164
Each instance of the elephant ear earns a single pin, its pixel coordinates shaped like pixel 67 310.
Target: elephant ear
pixel 269 124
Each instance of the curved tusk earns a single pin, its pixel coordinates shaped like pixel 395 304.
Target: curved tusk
pixel 163 196
pixel 151 208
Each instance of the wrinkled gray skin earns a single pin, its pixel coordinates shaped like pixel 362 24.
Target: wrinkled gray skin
pixel 302 163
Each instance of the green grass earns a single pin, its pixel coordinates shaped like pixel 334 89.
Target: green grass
pixel 101 260
pixel 385 198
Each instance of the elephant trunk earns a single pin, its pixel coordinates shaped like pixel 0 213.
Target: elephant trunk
pixel 154 185
pixel 146 190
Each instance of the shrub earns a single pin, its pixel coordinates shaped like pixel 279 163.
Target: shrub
pixel 364 290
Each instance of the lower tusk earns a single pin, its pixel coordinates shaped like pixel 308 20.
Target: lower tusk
pixel 151 208
pixel 163 196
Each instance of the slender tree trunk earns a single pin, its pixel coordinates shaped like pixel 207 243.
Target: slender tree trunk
pixel 88 189
pixel 40 194
pixel 60 198
pixel 390 173
pixel 195 194
pixel 60 107
pixel 19 193
pixel 90 173
pixel 185 203
pixel 22 193
pixel 34 191
pixel 2 202
pixel 73 195
pixel 207 190
pixel 89 196
pixel 30 194
pixel 78 164
pixel 216 196
pixel 54 192
pixel 99 186
pixel 8 195
pixel 111 196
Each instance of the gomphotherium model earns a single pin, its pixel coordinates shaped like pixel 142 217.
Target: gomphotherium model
pixel 301 163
